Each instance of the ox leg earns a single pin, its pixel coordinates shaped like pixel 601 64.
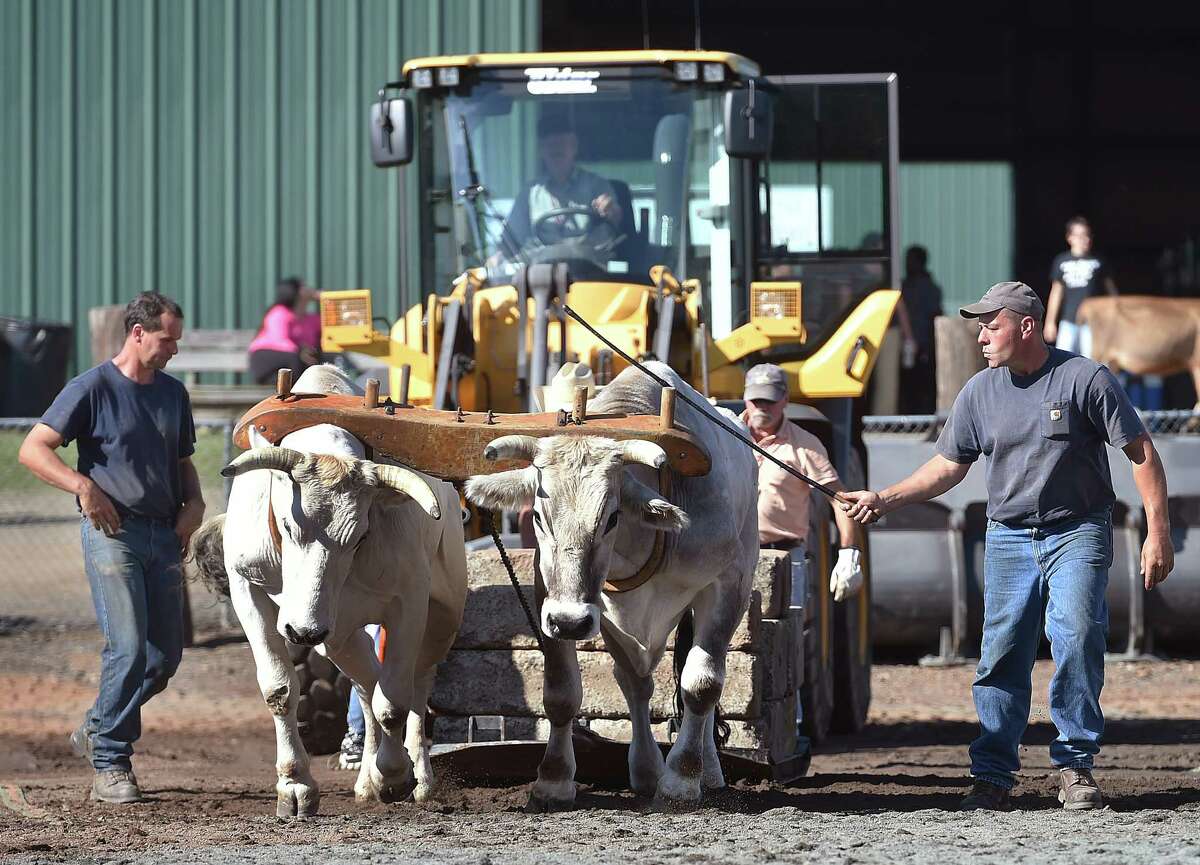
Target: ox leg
pixel 645 758
pixel 693 762
pixel 562 694
pixel 356 658
pixel 297 794
pixel 415 740
pixel 390 776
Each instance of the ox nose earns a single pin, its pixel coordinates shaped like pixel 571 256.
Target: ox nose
pixel 306 636
pixel 570 626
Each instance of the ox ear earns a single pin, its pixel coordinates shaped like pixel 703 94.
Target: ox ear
pixel 280 459
pixel 504 490
pixel 644 504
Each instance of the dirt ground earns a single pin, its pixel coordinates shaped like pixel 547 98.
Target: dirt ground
pixel 206 764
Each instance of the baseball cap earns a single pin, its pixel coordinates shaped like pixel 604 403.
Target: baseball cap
pixel 1017 296
pixel 766 381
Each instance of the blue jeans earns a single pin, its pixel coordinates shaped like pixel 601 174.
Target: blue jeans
pixel 354 713
pixel 1065 569
pixel 137 591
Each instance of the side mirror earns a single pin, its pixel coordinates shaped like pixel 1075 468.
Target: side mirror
pixel 391 131
pixel 749 122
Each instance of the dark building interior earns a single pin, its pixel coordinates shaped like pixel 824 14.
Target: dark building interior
pixel 1093 102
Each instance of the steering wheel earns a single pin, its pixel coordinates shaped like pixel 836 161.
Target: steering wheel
pixel 568 229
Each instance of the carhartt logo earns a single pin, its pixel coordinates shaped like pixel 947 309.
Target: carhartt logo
pixel 1055 414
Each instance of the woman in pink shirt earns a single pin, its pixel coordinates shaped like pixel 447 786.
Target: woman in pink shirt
pixel 289 336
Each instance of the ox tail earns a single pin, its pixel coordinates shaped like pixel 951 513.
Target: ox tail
pixel 685 637
pixel 206 555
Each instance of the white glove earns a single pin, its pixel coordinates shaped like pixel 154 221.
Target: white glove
pixel 847 576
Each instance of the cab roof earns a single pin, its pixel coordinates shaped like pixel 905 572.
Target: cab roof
pixel 736 63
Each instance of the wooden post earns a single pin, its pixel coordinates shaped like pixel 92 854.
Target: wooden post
pixel 405 375
pixel 580 409
pixel 371 399
pixel 283 383
pixel 958 357
pixel 666 408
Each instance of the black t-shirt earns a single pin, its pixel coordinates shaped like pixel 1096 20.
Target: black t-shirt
pixel 131 437
pixel 1082 277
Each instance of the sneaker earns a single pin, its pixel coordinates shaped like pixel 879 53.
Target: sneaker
pixel 986 797
pixel 116 786
pixel 81 743
pixel 1078 790
pixel 351 754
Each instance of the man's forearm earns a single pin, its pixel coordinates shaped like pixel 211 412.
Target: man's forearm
pixel 48 467
pixel 929 481
pixel 190 480
pixel 1151 482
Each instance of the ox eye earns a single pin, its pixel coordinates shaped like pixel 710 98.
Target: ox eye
pixel 612 522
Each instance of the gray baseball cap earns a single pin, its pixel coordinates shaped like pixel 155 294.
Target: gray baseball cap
pixel 1017 296
pixel 766 381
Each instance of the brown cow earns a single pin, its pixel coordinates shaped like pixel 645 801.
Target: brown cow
pixel 1145 335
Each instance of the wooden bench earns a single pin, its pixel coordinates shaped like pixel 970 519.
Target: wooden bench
pixel 211 351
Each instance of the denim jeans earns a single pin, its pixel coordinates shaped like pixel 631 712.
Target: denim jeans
pixel 1065 569
pixel 137 591
pixel 354 713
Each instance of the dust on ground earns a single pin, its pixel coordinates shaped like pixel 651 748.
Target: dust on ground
pixel 206 761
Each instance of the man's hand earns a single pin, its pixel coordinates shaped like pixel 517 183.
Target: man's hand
pixel 864 506
pixel 605 205
pixel 99 509
pixel 1158 559
pixel 847 576
pixel 191 515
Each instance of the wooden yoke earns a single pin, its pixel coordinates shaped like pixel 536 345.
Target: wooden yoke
pixel 449 445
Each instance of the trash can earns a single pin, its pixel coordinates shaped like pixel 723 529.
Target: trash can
pixel 34 358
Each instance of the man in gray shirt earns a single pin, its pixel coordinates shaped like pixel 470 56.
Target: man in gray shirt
pixel 1042 417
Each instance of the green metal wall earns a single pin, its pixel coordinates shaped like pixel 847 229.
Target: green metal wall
pixel 206 147
pixel 962 212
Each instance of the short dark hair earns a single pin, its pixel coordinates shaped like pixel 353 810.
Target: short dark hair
pixel 917 255
pixel 287 290
pixel 147 308
pixel 1078 221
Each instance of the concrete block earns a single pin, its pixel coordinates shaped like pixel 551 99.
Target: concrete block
pixel 777 659
pixel 773 580
pixel 769 738
pixel 509 682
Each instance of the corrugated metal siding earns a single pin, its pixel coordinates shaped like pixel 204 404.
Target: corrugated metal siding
pixel 207 147
pixel 962 212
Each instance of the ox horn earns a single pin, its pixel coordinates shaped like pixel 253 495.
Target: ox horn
pixel 410 484
pixel 644 452
pixel 281 459
pixel 511 448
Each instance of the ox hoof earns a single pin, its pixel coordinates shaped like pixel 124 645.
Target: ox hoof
pixel 543 802
pixel 424 792
pixel 296 801
pixel 676 792
pixel 389 794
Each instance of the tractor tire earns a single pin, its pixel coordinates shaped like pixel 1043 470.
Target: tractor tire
pixel 324 698
pixel 852 638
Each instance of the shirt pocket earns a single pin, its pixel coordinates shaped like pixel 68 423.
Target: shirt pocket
pixel 1056 419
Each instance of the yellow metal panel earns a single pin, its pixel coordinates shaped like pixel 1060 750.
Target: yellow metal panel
pixel 736 62
pixel 836 369
pixel 743 341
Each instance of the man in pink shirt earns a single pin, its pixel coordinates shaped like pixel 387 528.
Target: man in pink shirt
pixel 783 499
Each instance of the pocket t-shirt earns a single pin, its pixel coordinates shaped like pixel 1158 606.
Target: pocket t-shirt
pixel 1044 437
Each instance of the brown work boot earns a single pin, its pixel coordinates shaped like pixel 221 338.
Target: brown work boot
pixel 81 743
pixel 116 786
pixel 986 797
pixel 1078 790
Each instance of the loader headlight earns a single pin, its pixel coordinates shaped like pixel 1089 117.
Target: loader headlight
pixel 422 79
pixel 687 70
pixel 714 73
pixel 448 76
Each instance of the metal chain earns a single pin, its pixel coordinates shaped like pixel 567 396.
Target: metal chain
pixel 816 485
pixel 486 515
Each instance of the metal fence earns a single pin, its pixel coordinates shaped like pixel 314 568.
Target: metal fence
pixel 925 427
pixel 42 583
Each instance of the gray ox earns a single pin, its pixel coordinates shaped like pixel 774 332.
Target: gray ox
pixel 596 507
pixel 353 543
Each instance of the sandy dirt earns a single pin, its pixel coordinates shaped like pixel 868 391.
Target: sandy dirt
pixel 206 764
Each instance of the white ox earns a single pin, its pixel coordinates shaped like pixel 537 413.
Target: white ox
pixel 358 542
pixel 596 506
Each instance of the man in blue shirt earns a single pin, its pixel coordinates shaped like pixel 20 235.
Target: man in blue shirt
pixel 1042 417
pixel 139 497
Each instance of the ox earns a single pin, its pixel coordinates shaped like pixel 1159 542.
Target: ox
pixel 318 542
pixel 597 504
pixel 1145 335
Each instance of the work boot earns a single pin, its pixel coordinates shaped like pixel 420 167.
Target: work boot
pixel 986 797
pixel 81 743
pixel 1078 790
pixel 116 786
